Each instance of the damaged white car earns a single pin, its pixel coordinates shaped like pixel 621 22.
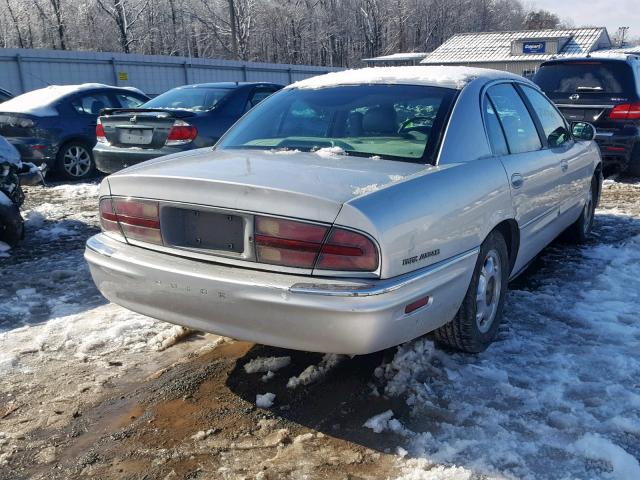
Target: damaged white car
pixel 353 211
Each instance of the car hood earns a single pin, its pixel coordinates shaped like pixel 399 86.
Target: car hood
pixel 310 185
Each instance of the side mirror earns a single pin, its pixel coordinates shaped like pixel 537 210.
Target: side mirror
pixel 583 131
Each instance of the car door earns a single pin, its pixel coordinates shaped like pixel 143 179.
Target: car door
pixel 532 171
pixel 575 166
pixel 88 107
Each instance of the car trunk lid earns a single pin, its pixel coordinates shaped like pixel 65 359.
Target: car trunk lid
pixel 290 184
pixel 140 128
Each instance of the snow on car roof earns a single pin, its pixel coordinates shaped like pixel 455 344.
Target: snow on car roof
pixel 40 101
pixel 442 76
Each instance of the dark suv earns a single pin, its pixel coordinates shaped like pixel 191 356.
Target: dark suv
pixel 603 90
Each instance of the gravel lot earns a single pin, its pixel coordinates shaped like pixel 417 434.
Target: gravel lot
pixel 91 390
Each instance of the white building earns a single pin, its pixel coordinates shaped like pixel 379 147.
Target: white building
pixel 519 52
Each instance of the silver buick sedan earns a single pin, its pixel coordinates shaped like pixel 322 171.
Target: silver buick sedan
pixel 352 211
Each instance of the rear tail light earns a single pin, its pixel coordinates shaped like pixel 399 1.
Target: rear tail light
pixel 134 219
pixel 181 132
pixel 298 244
pixel 100 136
pixel 625 111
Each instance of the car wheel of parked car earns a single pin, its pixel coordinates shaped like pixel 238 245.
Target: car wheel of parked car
pixel 75 161
pixel 475 325
pixel 579 231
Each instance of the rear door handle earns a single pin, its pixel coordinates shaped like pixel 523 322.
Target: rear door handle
pixel 564 165
pixel 517 180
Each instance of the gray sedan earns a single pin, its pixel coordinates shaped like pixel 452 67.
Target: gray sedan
pixel 353 211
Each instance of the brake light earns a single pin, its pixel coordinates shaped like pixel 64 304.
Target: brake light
pixel 134 219
pixel 181 132
pixel 306 245
pixel 625 111
pixel 100 136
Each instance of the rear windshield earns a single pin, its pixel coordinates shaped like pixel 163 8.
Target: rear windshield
pixel 195 99
pixel 586 77
pixel 400 122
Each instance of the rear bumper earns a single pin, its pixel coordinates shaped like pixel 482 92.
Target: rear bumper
pixel 35 150
pixel 616 147
pixel 110 159
pixel 329 315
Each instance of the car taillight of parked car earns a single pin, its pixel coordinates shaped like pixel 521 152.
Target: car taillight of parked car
pixel 134 219
pixel 625 111
pixel 305 245
pixel 100 136
pixel 181 132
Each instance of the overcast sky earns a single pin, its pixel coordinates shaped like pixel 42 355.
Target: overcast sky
pixel 607 13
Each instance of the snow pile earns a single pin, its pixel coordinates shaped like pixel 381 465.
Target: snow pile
pixel 266 400
pixel 266 364
pixel 40 102
pixel 560 386
pixel 329 152
pixel 168 338
pixel 4 200
pixel 451 77
pixel 385 421
pixel 4 249
pixel 313 373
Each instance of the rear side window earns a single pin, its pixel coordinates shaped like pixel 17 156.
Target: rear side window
pixel 517 124
pixel 494 130
pixel 91 104
pixel 553 124
pixel 591 77
pixel 257 96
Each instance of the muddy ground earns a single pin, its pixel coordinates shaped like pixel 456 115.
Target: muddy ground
pixel 188 411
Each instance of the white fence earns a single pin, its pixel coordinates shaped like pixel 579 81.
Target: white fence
pixel 22 70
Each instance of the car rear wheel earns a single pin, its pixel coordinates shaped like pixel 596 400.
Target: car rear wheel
pixel 75 161
pixel 579 231
pixel 634 162
pixel 475 325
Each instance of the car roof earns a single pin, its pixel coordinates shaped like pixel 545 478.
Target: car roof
pixel 439 76
pixel 229 85
pixel 600 56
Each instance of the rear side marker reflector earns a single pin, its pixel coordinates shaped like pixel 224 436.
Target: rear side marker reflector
pixel 413 306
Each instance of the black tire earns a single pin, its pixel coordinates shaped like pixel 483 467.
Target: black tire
pixel 634 162
pixel 474 327
pixel 579 231
pixel 75 161
pixel 11 225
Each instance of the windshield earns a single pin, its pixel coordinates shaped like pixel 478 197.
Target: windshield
pixel 591 77
pixel 402 122
pixel 197 99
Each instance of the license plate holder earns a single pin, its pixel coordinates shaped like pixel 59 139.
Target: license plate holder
pixel 136 136
pixel 203 230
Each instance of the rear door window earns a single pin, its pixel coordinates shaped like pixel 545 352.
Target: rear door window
pixel 517 124
pixel 257 96
pixel 92 104
pixel 553 124
pixel 494 130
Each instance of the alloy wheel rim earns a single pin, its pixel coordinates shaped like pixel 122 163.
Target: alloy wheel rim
pixel 77 161
pixel 588 212
pixel 488 291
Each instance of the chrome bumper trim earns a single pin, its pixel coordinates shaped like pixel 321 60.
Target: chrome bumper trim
pixel 383 286
pixel 94 244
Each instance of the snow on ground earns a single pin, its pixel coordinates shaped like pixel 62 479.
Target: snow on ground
pixel 266 364
pixel 266 400
pixel 314 373
pixel 557 397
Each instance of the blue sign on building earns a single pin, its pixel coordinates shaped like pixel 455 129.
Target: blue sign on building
pixel 534 47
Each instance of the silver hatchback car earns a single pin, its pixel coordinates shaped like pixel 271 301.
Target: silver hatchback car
pixel 352 211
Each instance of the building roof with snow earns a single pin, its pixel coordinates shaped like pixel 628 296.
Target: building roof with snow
pixel 406 58
pixel 514 46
